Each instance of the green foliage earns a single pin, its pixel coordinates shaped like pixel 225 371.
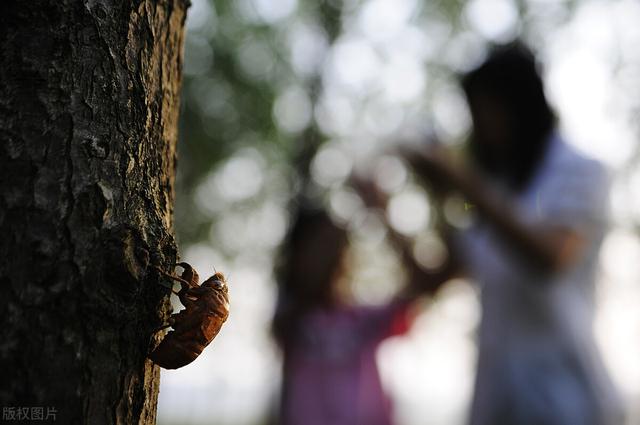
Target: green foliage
pixel 239 60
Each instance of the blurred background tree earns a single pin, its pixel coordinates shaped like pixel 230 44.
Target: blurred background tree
pixel 284 97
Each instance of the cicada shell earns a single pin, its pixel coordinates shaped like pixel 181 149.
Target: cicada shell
pixel 206 310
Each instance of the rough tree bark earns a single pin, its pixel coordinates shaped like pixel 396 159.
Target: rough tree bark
pixel 88 122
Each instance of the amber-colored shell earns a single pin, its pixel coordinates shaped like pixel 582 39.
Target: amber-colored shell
pixel 206 310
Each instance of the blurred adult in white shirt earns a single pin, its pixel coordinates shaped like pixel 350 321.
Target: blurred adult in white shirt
pixel 540 214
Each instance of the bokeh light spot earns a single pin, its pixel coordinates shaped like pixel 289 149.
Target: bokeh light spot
pixel 409 211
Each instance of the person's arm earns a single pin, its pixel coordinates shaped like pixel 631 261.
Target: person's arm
pixel 549 248
pixel 420 280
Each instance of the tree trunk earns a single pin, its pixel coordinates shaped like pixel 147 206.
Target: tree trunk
pixel 88 115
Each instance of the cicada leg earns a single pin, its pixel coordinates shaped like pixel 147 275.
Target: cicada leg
pixel 158 329
pixel 172 276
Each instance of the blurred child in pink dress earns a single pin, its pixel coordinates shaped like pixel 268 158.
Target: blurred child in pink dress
pixel 330 376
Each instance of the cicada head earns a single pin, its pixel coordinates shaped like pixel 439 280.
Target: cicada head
pixel 218 299
pixel 217 281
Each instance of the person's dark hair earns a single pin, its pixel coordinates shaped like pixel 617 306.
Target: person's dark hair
pixel 510 76
pixel 310 257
